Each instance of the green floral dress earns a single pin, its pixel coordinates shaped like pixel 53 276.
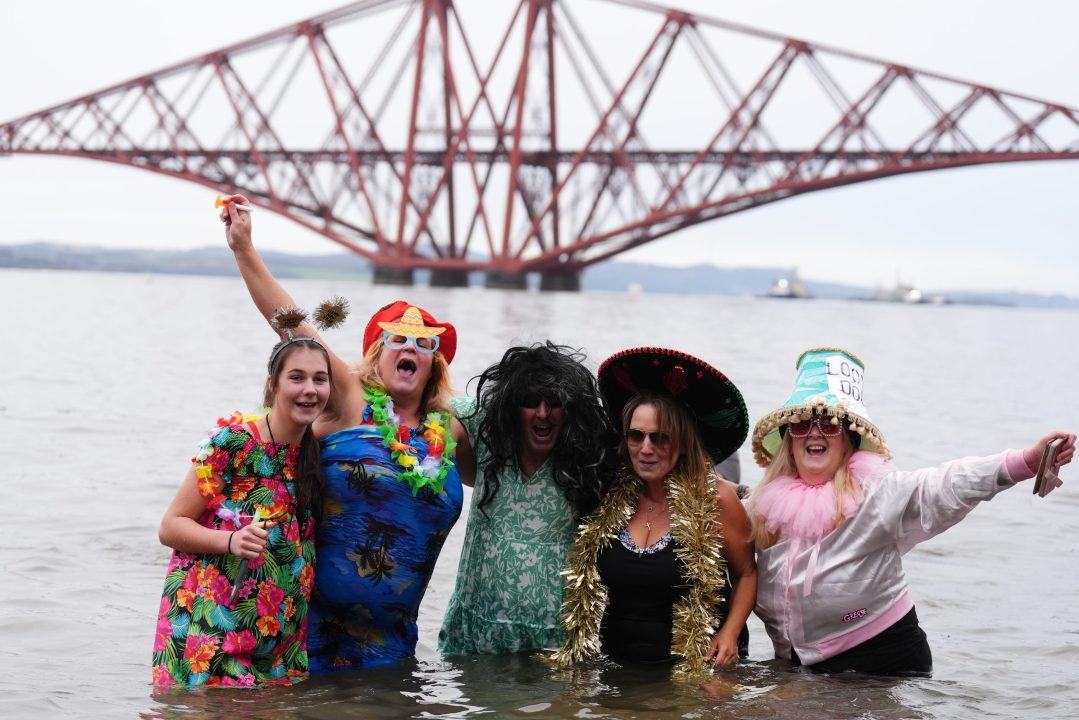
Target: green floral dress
pixel 201 638
pixel 509 584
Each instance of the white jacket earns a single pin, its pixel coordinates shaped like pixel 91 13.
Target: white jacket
pixel 824 598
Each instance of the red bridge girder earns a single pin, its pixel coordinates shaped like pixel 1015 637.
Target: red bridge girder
pixel 389 127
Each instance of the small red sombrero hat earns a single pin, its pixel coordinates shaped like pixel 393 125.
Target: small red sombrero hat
pixel 447 334
pixel 713 401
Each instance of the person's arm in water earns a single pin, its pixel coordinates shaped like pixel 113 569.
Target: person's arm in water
pixel 268 295
pixel 738 552
pixel 180 529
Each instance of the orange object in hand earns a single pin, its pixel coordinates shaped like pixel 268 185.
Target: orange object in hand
pixel 222 201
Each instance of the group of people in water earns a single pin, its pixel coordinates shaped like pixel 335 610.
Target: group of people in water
pixel 305 535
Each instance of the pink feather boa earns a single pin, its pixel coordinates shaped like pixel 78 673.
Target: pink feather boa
pixel 793 509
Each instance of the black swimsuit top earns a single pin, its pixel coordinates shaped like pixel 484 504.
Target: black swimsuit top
pixel 642 588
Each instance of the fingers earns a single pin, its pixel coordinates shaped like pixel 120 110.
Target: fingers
pixel 252 539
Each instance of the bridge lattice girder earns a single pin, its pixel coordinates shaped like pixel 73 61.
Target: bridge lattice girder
pixel 405 132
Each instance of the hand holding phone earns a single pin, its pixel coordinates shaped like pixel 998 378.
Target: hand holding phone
pixel 1046 480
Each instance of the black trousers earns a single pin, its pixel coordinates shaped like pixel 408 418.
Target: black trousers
pixel 902 649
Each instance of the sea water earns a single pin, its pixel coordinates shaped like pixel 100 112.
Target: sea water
pixel 107 381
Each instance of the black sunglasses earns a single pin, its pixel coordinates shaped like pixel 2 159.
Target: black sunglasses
pixel 636 437
pixel 531 401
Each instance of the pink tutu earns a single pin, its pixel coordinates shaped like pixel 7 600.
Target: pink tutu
pixel 794 509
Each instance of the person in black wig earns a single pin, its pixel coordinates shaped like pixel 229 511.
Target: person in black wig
pixel 544 448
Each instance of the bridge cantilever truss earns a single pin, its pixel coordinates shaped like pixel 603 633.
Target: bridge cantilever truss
pixel 410 133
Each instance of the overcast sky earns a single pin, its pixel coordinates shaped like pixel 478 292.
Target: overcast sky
pixel 1006 226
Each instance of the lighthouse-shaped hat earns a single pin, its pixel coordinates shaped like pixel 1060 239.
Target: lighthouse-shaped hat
pixel 829 383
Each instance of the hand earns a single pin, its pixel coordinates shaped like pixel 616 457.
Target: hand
pixel 1033 455
pixel 724 649
pixel 250 540
pixel 237 223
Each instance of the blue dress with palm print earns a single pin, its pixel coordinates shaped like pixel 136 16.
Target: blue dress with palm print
pixel 377 546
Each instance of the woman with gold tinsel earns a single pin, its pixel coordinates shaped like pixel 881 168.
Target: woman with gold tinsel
pixel 646 579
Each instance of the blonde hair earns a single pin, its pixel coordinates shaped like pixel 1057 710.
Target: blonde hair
pixel 437 393
pixel 783 465
pixel 672 419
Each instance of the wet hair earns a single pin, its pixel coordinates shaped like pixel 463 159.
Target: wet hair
pixel 437 393
pixel 310 483
pixel 583 459
pixel 673 419
pixel 783 464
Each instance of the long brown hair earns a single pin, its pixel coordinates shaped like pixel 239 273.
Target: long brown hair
pixel 783 465
pixel 310 483
pixel 437 393
pixel 676 421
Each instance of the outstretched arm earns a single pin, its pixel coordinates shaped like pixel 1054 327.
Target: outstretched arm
pixel 268 294
pixel 925 503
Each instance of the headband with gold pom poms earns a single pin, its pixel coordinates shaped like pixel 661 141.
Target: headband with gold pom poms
pixel 331 313
pixel 285 320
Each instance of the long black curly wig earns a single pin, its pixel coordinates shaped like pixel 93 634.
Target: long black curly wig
pixel 584 458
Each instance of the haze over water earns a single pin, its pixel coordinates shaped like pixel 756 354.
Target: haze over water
pixel 109 380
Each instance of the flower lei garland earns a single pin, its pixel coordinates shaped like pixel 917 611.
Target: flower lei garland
pixel 210 486
pixel 694 527
pixel 432 470
pixel 204 471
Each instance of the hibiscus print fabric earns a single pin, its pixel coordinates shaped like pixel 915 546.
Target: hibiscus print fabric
pixel 261 639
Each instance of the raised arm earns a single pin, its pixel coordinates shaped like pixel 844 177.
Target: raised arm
pixel 269 295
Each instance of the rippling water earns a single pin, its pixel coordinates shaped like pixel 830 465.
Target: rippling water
pixel 109 380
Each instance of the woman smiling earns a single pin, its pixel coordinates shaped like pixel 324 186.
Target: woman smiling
pixel 833 517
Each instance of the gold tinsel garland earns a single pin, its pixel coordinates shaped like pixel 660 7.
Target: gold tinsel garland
pixel 694 527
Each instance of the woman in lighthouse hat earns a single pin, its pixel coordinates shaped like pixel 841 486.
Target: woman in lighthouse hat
pixel 833 517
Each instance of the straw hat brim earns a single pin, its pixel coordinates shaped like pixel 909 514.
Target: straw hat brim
pixel 410 329
pixel 766 436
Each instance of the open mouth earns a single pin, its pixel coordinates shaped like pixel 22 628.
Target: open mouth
pixel 543 432
pixel 816 449
pixel 308 405
pixel 406 366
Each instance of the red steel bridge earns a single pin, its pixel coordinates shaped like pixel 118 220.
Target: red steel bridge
pixel 536 135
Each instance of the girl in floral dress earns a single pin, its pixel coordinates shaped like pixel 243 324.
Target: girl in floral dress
pixel 234 608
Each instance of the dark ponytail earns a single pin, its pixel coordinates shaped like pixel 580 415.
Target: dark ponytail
pixel 310 483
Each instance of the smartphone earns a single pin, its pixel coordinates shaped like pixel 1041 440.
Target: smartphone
pixel 1046 481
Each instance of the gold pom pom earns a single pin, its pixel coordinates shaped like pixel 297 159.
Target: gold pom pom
pixel 287 319
pixel 331 313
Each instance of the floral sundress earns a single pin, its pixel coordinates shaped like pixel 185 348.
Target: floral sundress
pixel 261 639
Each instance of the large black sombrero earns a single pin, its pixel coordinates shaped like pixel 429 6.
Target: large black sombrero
pixel 712 399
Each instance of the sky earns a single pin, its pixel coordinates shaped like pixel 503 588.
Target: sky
pixel 1007 227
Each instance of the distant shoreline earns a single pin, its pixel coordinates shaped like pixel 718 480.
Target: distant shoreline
pixel 616 276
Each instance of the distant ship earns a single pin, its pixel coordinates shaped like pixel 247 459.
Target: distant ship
pixel 789 287
pixel 906 294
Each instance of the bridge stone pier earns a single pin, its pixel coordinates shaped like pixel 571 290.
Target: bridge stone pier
pixel 505 281
pixel 382 275
pixel 443 277
pixel 560 280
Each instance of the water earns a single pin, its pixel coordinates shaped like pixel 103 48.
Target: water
pixel 109 380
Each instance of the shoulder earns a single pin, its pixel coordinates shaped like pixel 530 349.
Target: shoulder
pixel 229 429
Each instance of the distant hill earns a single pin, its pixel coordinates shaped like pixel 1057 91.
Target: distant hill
pixel 614 275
